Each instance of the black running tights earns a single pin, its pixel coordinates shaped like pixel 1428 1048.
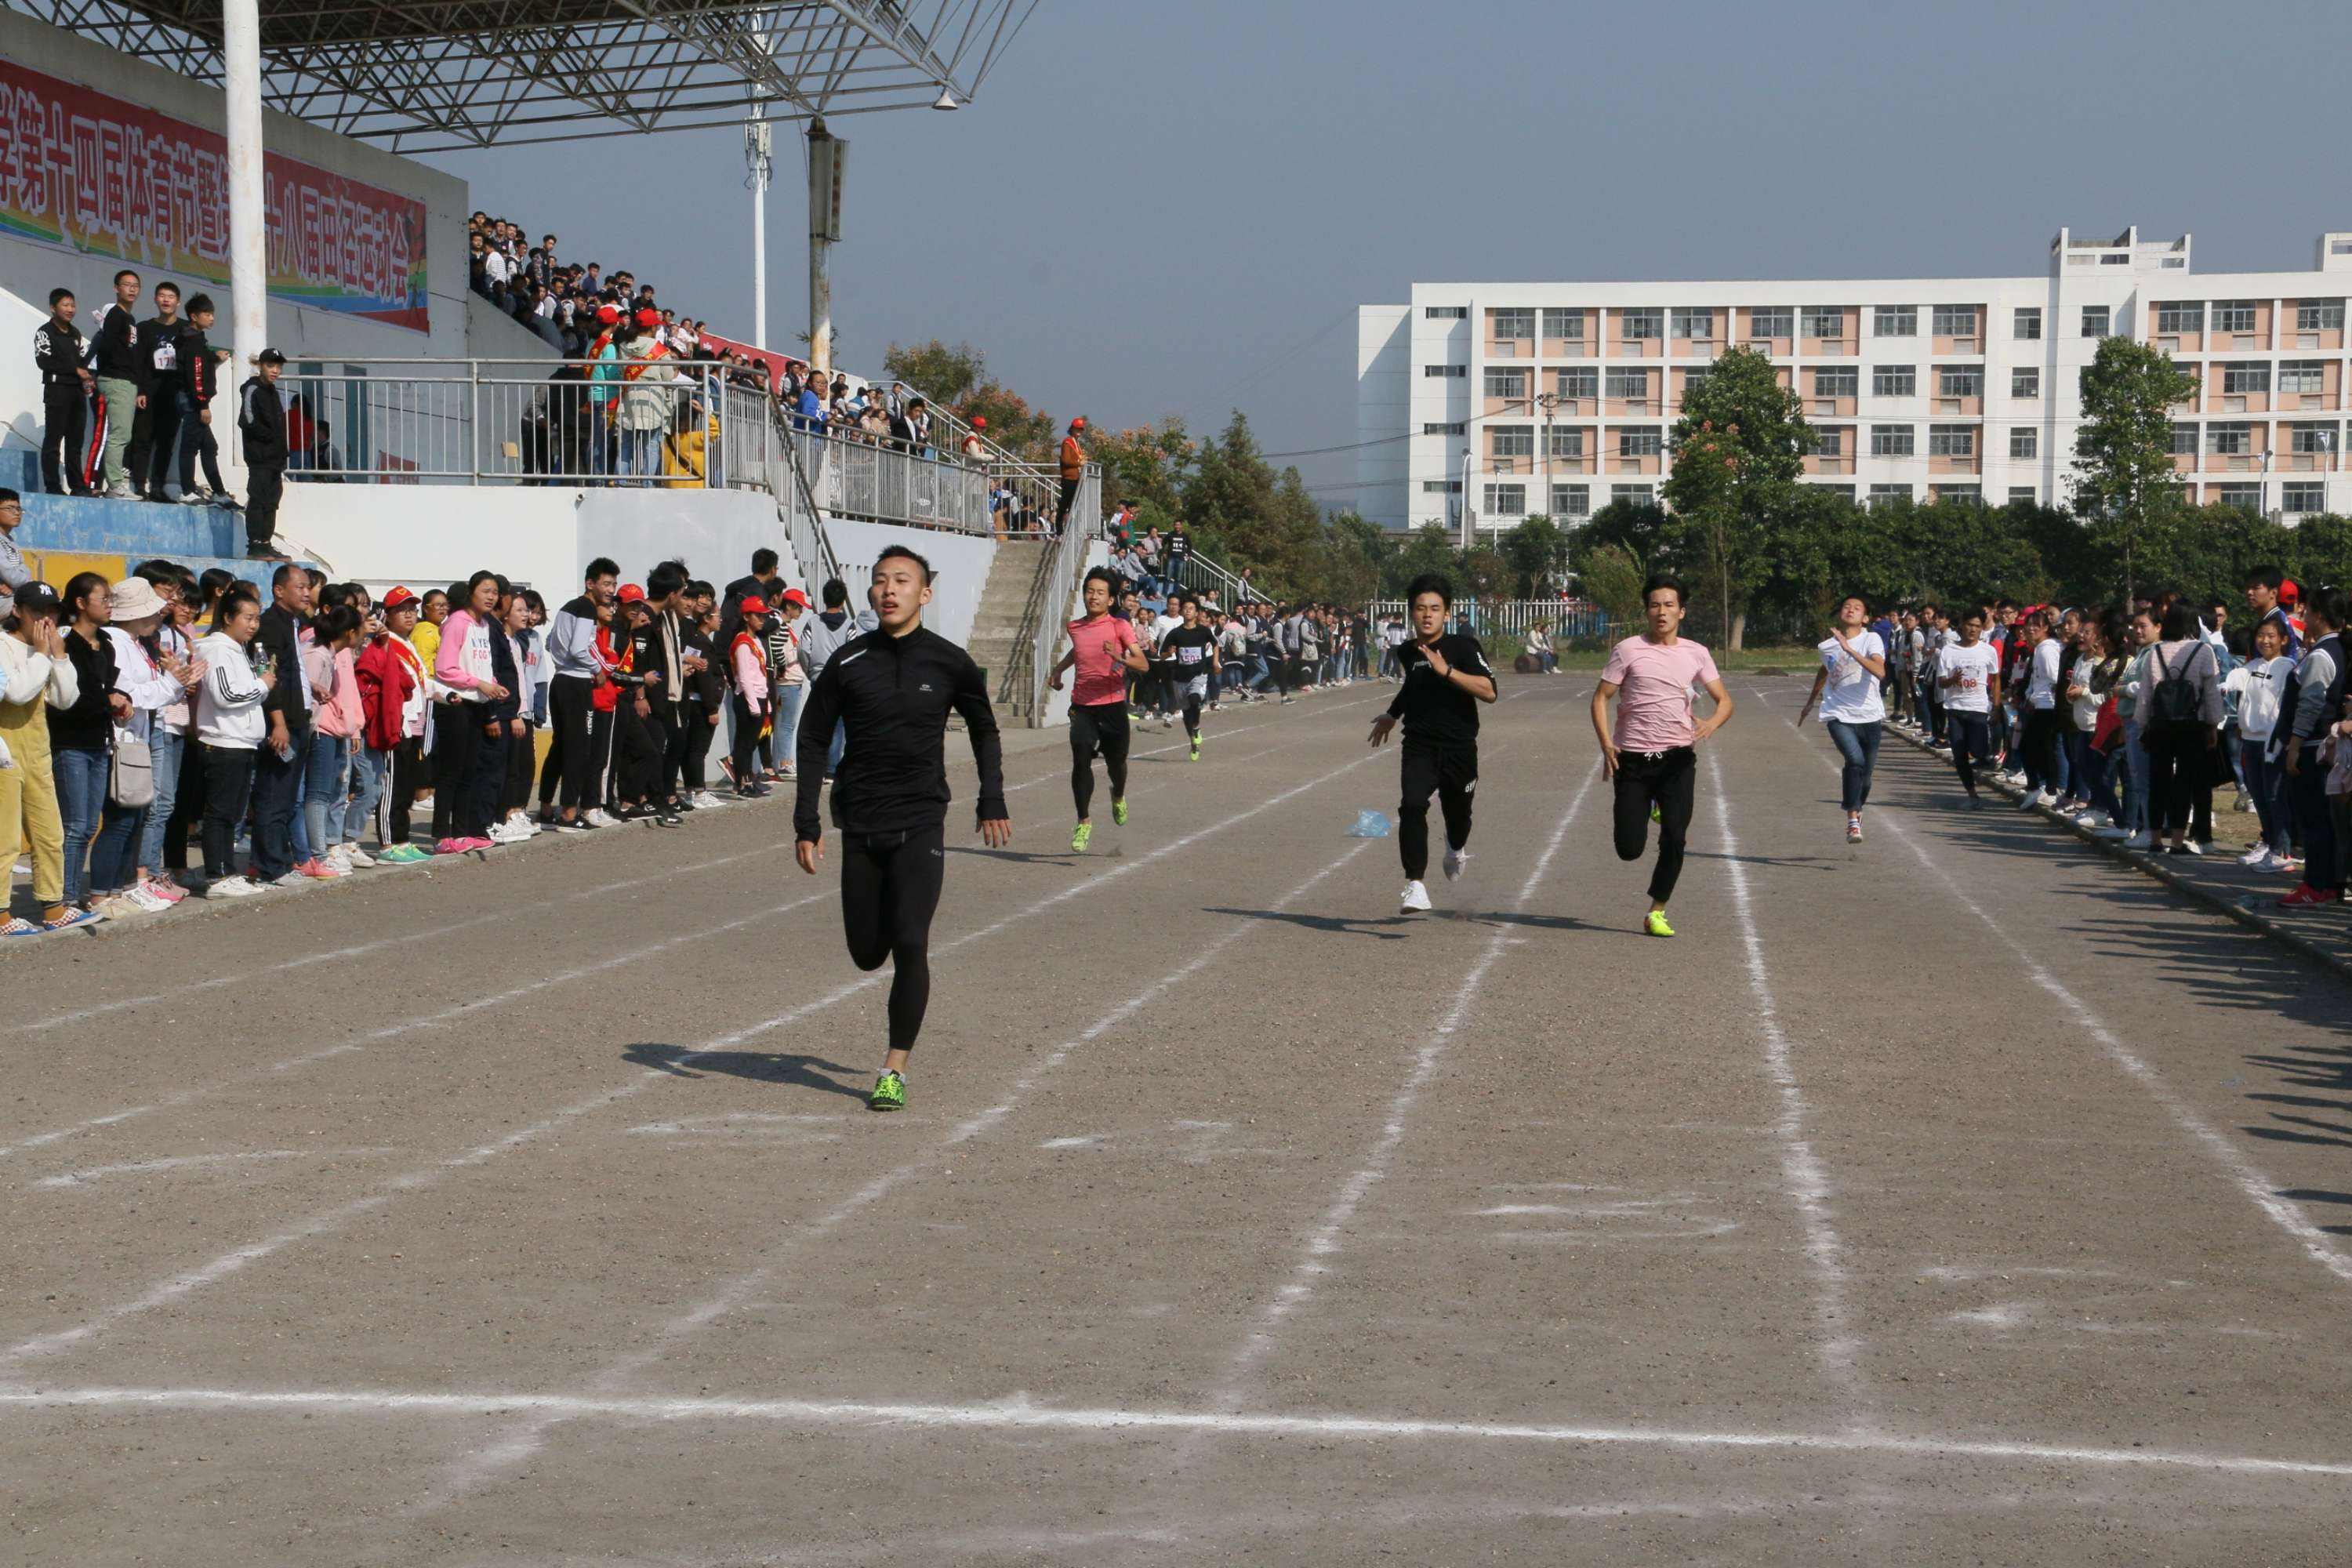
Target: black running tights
pixel 1667 780
pixel 1097 727
pixel 890 889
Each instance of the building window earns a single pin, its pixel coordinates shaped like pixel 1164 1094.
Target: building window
pixel 1566 325
pixel 1637 326
pixel 1445 313
pixel 1824 320
pixel 1951 440
pixel 2184 441
pixel 1895 321
pixel 1639 443
pixel 1634 383
pixel 2224 441
pixel 1883 495
pixel 1772 321
pixel 1955 494
pixel 2025 493
pixel 2181 316
pixel 1844 491
pixel 1893 381
pixel 1510 384
pixel 1446 371
pixel 2095 320
pixel 1837 381
pixel 1439 428
pixel 1693 380
pixel 1829 443
pixel 1509 499
pixel 2305 496
pixel 2245 378
pixel 2318 316
pixel 1638 494
pixel 2025 381
pixel 1891 441
pixel 1512 326
pixel 2026 324
pixel 1695 325
pixel 2302 375
pixel 1581 382
pixel 1955 320
pixel 1571 500
pixel 1567 443
pixel 2024 442
pixel 1960 381
pixel 2311 439
pixel 1511 441
pixel 1441 486
pixel 2234 315
pixel 2249 497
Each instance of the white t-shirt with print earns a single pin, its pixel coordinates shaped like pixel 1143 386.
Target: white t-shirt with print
pixel 1976 666
pixel 1850 695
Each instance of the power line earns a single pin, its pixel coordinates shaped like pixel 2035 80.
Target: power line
pixel 1351 447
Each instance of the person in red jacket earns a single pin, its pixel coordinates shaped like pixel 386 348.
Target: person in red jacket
pixel 1074 469
pixel 391 678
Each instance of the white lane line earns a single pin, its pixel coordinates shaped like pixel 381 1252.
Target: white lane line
pixel 333 1219
pixel 89 1174
pixel 1803 1178
pixel 2248 1178
pixel 1018 1415
pixel 1323 1241
pixel 479 1468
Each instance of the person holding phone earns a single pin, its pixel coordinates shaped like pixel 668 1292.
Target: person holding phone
pixel 37 676
pixel 231 727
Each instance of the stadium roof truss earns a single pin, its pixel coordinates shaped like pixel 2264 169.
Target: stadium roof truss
pixel 422 76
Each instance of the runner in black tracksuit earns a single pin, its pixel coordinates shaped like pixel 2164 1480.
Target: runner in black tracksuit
pixel 1445 679
pixel 893 690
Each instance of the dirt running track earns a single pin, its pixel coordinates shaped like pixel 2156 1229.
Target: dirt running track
pixel 1957 1197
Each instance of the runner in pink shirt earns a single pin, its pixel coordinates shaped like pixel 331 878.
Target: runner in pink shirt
pixel 1102 648
pixel 1651 755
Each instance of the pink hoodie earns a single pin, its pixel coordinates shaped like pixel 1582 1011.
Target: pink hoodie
pixel 339 710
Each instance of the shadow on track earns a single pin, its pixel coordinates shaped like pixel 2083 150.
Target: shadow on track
pixel 760 1066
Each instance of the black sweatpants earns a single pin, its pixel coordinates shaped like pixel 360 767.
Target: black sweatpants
pixel 265 484
pixel 1668 780
pixel 163 443
pixel 637 752
pixel 1452 773
pixel 1971 736
pixel 521 757
pixel 580 734
pixel 745 749
pixel 890 891
pixel 701 730
pixel 671 735
pixel 397 804
pixel 456 738
pixel 64 410
pixel 1099 727
pixel 228 786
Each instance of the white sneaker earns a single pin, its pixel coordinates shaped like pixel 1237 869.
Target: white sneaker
pixel 505 833
pixel 233 887
pixel 704 800
pixel 2143 839
pixel 353 854
pixel 1413 901
pixel 2191 846
pixel 291 879
pixel 1454 860
pixel 152 904
pixel 120 491
pixel 2256 856
pixel 598 815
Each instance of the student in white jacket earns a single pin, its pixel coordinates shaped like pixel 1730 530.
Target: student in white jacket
pixel 230 727
pixel 2259 684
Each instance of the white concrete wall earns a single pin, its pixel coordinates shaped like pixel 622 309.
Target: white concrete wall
pixel 1383 403
pixel 959 563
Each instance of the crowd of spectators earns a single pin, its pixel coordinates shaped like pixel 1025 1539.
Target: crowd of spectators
pixel 175 734
pixel 2127 718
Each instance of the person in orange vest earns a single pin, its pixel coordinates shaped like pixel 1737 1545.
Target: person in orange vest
pixel 1074 469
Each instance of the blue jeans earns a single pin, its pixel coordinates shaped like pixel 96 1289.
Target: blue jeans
pixel 325 783
pixel 114 853
pixel 2135 766
pixel 2308 791
pixel 2266 782
pixel 2093 776
pixel 640 451
pixel 81 800
pixel 368 773
pixel 1858 744
pixel 169 752
pixel 788 701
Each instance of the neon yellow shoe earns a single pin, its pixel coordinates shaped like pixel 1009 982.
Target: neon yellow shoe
pixel 1081 837
pixel 1656 924
pixel 889 1093
pixel 1118 812
pixel 1196 750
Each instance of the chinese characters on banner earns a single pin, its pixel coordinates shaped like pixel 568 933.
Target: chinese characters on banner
pixel 95 176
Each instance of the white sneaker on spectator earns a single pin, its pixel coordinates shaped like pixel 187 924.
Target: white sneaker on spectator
pixel 152 904
pixel 233 887
pixel 353 854
pixel 293 878
pixel 2256 856
pixel 120 491
pixel 597 815
pixel 704 800
pixel 505 833
pixel 2191 846
pixel 2143 839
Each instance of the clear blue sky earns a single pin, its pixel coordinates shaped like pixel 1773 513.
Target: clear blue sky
pixel 1176 208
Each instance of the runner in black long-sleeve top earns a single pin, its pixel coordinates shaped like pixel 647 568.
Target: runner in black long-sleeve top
pixel 1445 679
pixel 892 691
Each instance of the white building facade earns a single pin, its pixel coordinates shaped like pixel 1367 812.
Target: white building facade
pixel 1556 399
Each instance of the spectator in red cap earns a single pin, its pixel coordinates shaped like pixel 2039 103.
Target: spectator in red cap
pixel 788 678
pixel 1074 469
pixel 746 664
pixel 974 451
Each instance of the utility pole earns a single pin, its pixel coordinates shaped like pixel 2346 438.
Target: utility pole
pixel 827 155
pixel 757 155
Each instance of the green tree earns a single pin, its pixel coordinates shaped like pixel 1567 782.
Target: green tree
pixel 1740 450
pixel 2124 478
pixel 1611 579
pixel 1537 549
pixel 1429 548
pixel 944 374
pixel 1641 530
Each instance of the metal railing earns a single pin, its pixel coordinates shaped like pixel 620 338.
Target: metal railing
pixel 1045 617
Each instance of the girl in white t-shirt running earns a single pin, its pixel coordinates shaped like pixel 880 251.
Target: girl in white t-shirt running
pixel 1854 663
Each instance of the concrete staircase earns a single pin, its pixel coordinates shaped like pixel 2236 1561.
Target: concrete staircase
pixel 1001 630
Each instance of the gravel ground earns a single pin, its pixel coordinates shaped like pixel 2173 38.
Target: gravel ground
pixel 1960 1196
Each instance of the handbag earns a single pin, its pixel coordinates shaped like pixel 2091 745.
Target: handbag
pixel 131 773
pixel 2108 728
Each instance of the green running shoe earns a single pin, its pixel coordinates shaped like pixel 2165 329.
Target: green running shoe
pixel 889 1093
pixel 1196 750
pixel 1081 837
pixel 1656 816
pixel 1655 925
pixel 1118 812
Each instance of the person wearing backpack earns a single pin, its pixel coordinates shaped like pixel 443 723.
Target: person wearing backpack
pixel 2181 724
pixel 2307 716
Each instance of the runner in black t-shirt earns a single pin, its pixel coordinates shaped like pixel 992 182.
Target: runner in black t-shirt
pixel 1445 679
pixel 1190 652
